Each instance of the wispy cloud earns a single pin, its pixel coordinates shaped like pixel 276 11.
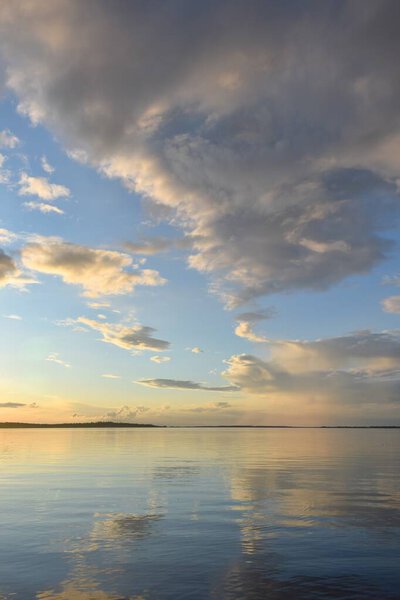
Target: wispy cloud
pixel 43 207
pixel 128 337
pixel 6 236
pixel 13 317
pixel 55 358
pixel 179 384
pixel 46 166
pixel 160 359
pixel 8 139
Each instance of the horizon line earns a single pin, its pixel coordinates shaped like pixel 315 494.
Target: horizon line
pixel 121 424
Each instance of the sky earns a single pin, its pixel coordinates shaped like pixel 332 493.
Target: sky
pixel 199 210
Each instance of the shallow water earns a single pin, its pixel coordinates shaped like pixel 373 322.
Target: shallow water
pixel 117 514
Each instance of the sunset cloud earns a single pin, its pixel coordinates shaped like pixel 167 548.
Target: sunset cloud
pixel 133 337
pixel 98 272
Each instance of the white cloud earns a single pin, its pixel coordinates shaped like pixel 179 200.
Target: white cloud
pixel 197 350
pixel 43 207
pixel 13 317
pixel 46 166
pixel 245 330
pixel 101 304
pixel 42 188
pixel 160 359
pixel 55 358
pixel 98 272
pixel 6 236
pixel 280 162
pixel 111 376
pixel 128 337
pixel 8 139
pixel 391 304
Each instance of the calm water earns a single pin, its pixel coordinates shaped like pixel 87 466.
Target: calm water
pixel 199 513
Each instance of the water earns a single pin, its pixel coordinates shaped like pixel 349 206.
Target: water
pixel 194 514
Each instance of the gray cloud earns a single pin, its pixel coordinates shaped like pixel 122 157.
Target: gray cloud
pixel 157 245
pixel 268 131
pixel 257 315
pixel 126 413
pixel 17 405
pixel 10 274
pixel 178 384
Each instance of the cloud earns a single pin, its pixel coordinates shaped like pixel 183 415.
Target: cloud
pixel 197 350
pixel 359 367
pixel 212 407
pixel 178 384
pixel 160 359
pixel 43 207
pixel 133 337
pixel 111 376
pixel 42 188
pixel 13 317
pixel 12 404
pixel 391 304
pixel 46 166
pixel 6 236
pixel 245 330
pixel 10 274
pixel 55 358
pixel 126 413
pixel 158 245
pixel 99 304
pixel 98 272
pixel 246 322
pixel 8 139
pixel 272 143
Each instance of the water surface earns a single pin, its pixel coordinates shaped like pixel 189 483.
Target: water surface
pixel 154 514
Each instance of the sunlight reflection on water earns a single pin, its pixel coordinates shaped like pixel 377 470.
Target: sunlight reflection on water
pixel 199 513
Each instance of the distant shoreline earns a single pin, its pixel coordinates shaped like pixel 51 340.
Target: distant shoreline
pixel 116 425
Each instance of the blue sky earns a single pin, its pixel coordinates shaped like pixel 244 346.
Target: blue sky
pixel 208 207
